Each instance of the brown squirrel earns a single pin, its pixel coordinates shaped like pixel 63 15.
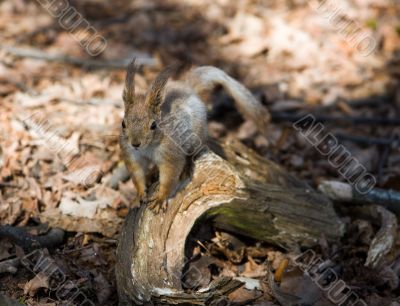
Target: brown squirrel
pixel 170 123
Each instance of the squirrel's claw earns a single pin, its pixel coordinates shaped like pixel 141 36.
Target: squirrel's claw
pixel 157 205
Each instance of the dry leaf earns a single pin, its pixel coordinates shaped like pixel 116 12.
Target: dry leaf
pixel 41 280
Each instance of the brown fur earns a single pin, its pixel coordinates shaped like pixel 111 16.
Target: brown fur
pixel 169 124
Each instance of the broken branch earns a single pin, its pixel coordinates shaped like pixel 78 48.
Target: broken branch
pixel 339 191
pixel 67 59
pixel 30 242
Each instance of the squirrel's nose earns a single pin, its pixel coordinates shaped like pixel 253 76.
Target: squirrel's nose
pixel 135 145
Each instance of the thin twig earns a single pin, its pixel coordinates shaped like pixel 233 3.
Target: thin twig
pixel 89 63
pixel 344 120
pixel 367 140
pixel 93 101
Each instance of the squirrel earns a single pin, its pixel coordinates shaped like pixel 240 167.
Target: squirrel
pixel 169 123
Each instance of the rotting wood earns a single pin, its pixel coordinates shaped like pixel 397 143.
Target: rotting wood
pixel 240 192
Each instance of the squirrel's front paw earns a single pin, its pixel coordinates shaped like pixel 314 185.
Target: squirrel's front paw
pixel 156 204
pixel 140 189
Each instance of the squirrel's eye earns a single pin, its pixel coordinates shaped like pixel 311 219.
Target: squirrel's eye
pixel 153 126
pixel 123 124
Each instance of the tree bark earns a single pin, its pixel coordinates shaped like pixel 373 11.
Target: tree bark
pixel 235 190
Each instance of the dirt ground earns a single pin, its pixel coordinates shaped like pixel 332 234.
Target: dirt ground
pixel 60 119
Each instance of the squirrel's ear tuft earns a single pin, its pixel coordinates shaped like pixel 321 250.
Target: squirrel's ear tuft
pixel 129 90
pixel 154 97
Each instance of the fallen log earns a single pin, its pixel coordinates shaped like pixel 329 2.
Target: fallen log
pixel 234 190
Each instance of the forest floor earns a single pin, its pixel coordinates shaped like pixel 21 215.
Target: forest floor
pixel 60 119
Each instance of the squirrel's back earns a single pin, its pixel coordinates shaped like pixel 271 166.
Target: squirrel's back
pixel 183 117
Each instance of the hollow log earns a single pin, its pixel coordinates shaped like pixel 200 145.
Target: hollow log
pixel 233 189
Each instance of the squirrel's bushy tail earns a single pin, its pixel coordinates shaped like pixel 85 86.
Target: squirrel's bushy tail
pixel 205 78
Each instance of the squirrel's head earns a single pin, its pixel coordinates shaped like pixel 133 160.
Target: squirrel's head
pixel 142 113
